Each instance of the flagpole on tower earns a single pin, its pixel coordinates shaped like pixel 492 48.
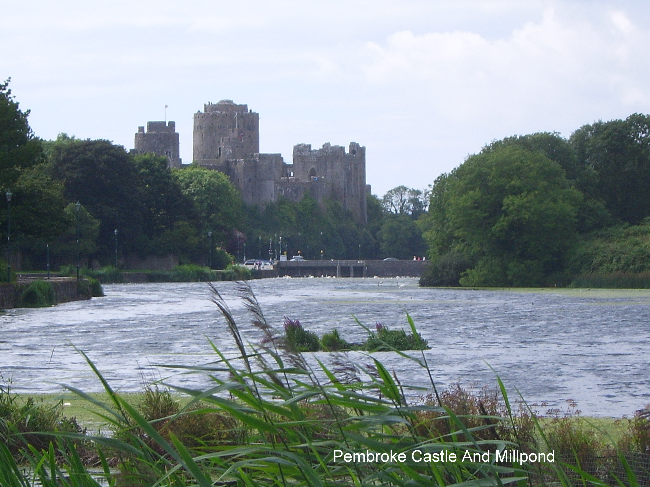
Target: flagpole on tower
pixel 166 114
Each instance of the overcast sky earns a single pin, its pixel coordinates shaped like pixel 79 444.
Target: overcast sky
pixel 422 84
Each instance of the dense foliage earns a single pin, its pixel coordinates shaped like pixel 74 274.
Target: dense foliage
pixel 539 210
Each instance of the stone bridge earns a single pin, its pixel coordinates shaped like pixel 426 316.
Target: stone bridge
pixel 351 268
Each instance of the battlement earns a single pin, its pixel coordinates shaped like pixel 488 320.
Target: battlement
pixel 160 127
pixel 224 106
pixel 305 150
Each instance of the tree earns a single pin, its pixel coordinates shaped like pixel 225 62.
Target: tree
pixel 103 178
pixel 619 153
pixel 215 200
pixel 19 148
pixel 37 202
pixel 509 211
pixel 400 237
pixel 166 210
pixel 405 201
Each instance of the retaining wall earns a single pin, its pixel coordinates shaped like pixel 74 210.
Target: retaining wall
pixel 65 290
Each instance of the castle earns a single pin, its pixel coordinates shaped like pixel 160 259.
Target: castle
pixel 227 139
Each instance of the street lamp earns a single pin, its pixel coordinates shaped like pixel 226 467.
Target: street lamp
pixel 210 252
pixel 78 206
pixel 8 235
pixel 115 232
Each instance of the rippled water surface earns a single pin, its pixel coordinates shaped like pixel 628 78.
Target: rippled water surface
pixel 591 346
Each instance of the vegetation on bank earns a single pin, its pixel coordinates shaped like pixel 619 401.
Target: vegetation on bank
pixel 181 273
pixel 541 210
pixel 380 340
pixel 269 418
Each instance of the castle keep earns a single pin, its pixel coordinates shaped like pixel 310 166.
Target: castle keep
pixel 227 139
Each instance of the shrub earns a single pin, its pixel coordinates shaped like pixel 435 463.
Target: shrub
pixel 445 271
pixel 333 342
pixel 385 340
pixel 483 413
pixel 190 273
pixel 236 273
pixel 24 420
pixel 196 428
pixel 574 441
pixel 299 339
pixel 89 287
pixel 106 275
pixel 221 259
pixel 38 294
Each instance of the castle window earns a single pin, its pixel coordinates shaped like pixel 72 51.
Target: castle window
pixel 353 152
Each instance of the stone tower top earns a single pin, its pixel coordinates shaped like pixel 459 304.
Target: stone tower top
pixel 161 139
pixel 224 106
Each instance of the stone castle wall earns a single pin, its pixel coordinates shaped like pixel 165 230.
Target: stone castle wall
pixel 161 139
pixel 226 139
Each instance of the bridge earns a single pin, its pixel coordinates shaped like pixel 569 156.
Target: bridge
pixel 351 268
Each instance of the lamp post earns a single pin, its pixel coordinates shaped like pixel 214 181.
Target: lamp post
pixel 78 206
pixel 359 251
pixel 48 260
pixel 115 232
pixel 8 235
pixel 210 251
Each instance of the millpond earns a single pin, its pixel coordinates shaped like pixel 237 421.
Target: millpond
pixel 551 346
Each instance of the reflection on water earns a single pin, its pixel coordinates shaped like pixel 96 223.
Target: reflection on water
pixel 591 346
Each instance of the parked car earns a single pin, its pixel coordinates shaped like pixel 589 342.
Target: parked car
pixel 390 259
pixel 297 258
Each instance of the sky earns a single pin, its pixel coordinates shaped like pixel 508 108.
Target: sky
pixel 421 84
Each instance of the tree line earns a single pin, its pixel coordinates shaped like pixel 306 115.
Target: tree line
pixel 95 200
pixel 539 209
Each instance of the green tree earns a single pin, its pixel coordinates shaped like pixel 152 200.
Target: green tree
pixel 37 216
pixel 619 153
pixel 19 148
pixel 509 211
pixel 405 201
pixel 401 238
pixel 167 212
pixel 64 247
pixel 103 178
pixel 216 202
pixel 37 202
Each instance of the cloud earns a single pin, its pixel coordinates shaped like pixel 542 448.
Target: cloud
pixel 540 65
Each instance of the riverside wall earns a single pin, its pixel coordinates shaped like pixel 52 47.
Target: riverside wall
pixel 65 290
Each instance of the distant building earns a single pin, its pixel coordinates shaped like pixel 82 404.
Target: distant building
pixel 227 139
pixel 161 139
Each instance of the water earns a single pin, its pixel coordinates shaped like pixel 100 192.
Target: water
pixel 552 346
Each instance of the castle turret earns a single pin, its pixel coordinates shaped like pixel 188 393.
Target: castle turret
pixel 161 139
pixel 225 131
